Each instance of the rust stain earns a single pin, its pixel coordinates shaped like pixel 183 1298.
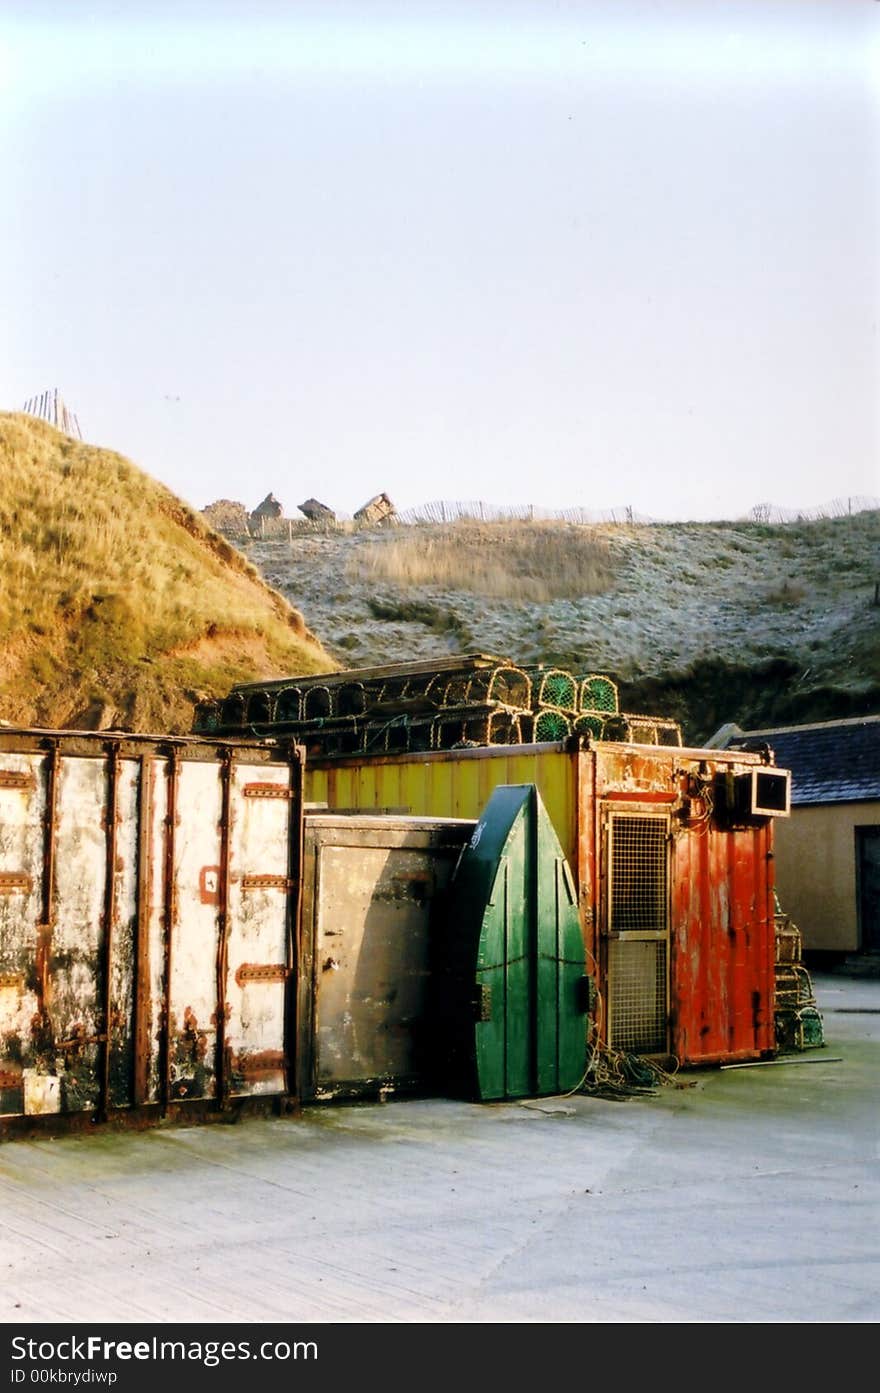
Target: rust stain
pixel 258 1064
pixel 209 885
pixel 79 1038
pixel 196 1040
pixel 44 948
pixel 169 916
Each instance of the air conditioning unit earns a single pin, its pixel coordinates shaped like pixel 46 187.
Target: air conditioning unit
pixel 769 792
pixel 750 797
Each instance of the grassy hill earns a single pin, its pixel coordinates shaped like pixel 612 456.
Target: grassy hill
pixel 119 605
pixel 705 622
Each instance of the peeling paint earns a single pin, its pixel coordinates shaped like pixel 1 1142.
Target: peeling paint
pixel 114 952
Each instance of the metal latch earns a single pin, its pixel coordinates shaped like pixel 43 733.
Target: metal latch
pixel 15 880
pixel 267 791
pixel 261 972
pixel 266 882
pixel 17 778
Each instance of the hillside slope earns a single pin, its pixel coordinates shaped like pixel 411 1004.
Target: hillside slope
pixel 706 622
pixel 119 605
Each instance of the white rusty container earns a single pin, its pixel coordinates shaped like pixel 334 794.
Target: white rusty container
pixel 149 891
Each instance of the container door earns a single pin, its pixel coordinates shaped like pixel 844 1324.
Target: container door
pixel 637 927
pixel 26 1045
pixel 147 913
pixel 68 911
pixel 263 856
pixel 370 897
pixel 512 1015
pixel 193 878
pixel 233 881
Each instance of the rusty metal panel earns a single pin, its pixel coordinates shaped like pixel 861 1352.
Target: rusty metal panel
pixel 723 949
pixel 22 811
pixel 147 921
pixel 371 891
pixel 74 1020
pixel 721 927
pixel 71 1034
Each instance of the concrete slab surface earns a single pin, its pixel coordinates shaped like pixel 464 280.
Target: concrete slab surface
pixel 731 1195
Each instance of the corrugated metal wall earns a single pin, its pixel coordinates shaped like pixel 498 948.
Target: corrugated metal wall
pixel 454 783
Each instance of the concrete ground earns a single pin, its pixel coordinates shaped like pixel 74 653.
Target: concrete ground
pixel 751 1195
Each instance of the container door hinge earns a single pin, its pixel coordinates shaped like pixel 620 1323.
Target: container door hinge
pixel 15 880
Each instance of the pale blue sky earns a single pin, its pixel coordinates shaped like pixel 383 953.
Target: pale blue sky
pixel 593 253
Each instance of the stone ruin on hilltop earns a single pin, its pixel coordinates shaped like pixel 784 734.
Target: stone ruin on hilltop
pixel 378 509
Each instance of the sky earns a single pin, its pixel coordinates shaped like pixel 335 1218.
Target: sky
pixel 572 253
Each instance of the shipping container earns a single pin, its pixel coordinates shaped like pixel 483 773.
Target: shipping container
pixel 148 906
pixel 155 960
pixel 672 854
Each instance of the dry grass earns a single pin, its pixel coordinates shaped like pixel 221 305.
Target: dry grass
pixel 108 582
pixel 537 562
pixel 785 594
pixel 696 612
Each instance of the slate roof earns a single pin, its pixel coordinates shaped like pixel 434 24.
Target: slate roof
pixel 830 762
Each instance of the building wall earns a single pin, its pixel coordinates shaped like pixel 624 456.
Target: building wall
pixel 816 872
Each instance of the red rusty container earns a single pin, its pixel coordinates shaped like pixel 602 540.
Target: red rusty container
pixel 682 901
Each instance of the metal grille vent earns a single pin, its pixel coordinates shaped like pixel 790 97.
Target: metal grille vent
pixel 638 874
pixel 637 973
